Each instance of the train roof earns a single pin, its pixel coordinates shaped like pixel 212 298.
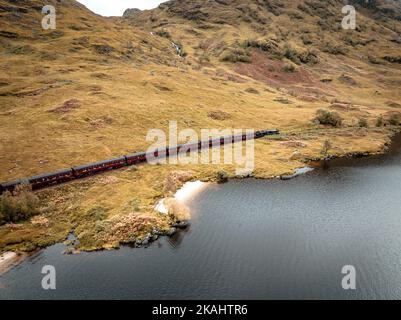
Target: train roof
pixel 12 183
pixel 51 174
pixel 98 163
pixel 137 154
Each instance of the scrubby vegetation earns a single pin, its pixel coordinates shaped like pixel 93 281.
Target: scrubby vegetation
pixel 298 56
pixel 236 55
pixel 19 205
pixel 362 123
pixel 391 118
pixel 326 117
pixel 269 46
pixel 394 119
pixel 289 67
pixel 332 48
pixel 393 59
pixel 163 33
pixel 222 176
pixel 379 122
pixel 327 145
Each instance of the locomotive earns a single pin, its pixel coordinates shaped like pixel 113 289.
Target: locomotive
pixel 66 175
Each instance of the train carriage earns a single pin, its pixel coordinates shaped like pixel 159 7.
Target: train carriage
pixel 189 147
pixel 93 168
pixel 173 151
pixel 135 158
pixel 10 186
pixel 49 179
pixel 158 153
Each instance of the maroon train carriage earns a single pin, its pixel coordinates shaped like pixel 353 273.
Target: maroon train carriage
pixel 135 158
pixel 189 147
pixel 101 166
pixel 173 151
pixel 49 179
pixel 159 153
pixel 10 186
pixel 40 181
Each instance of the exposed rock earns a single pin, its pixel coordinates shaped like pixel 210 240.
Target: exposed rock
pixel 296 155
pixel 393 59
pixel 287 177
pixel 348 80
pixel 393 104
pixel 326 80
pixel 219 115
pixel 392 118
pixel 222 176
pixel 293 144
pixel 131 13
pixel 307 98
pixel 67 106
pixel 252 90
pixel 171 232
pixel 162 87
pixel 283 100
pixel 103 48
pixel 181 224
pixel 8 34
pixel 146 240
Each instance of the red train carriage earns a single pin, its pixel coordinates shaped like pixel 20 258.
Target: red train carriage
pixel 46 180
pixel 10 186
pixel 135 158
pixel 96 167
pixel 173 151
pixel 189 147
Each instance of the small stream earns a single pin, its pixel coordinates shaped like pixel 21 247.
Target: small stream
pixel 252 239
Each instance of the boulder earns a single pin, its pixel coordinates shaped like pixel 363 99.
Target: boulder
pixel 131 13
pixel 181 224
pixel 171 232
pixel 296 155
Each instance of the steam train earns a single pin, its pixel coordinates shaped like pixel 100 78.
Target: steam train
pixel 62 176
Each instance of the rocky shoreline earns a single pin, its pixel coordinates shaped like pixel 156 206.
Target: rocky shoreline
pixel 156 234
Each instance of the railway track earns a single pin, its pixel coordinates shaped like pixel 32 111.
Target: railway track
pixel 90 169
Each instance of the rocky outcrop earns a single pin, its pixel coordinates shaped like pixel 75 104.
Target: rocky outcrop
pixel 131 13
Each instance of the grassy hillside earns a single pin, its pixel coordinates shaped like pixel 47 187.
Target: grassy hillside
pixel 92 88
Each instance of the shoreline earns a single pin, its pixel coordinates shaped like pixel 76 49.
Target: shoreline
pixel 190 189
pixel 10 259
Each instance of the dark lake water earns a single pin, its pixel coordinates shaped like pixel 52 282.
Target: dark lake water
pixel 252 239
